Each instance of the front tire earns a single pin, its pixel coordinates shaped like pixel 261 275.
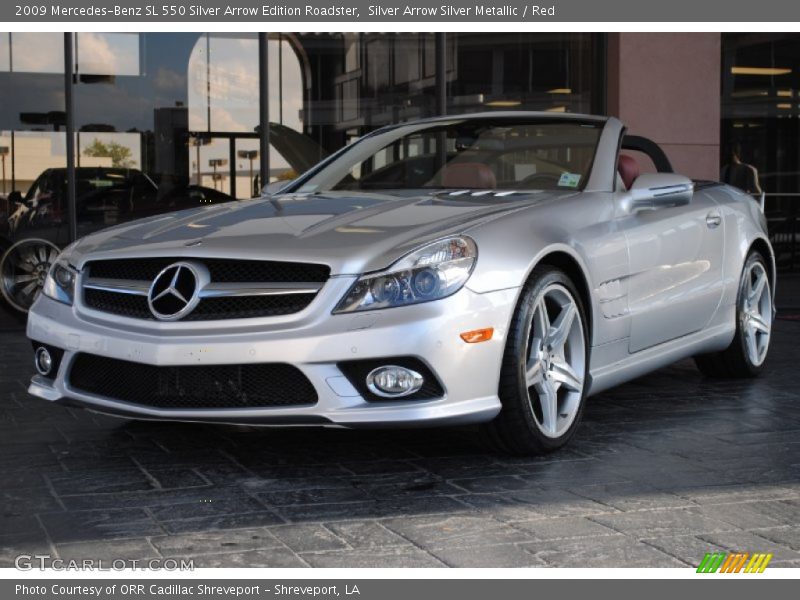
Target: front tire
pixel 542 379
pixel 754 313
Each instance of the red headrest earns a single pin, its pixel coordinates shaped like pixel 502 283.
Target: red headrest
pixel 628 169
pixel 468 175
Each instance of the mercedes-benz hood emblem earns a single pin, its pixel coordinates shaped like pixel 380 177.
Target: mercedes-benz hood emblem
pixel 175 291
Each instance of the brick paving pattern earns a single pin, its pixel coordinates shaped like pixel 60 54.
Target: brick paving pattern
pixel 661 471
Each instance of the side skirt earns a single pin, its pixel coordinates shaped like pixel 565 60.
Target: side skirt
pixel 712 339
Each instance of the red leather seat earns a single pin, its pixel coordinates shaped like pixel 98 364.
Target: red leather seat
pixel 469 175
pixel 628 169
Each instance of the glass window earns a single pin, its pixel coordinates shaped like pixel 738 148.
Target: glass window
pixel 247 165
pixel 352 51
pixel 394 78
pixel 761 116
pixel 407 58
pixel 483 153
pixel 550 72
pixel 107 53
pixel 378 49
pixel 5 52
pixel 34 215
pixel 429 54
pixel 102 149
pixel 223 79
pixel 223 111
pixel 36 52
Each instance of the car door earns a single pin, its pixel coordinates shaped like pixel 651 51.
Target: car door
pixel 675 282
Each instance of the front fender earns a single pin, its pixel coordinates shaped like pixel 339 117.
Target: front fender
pixel 580 231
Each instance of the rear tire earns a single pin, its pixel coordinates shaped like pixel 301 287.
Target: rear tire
pixel 543 375
pixel 754 313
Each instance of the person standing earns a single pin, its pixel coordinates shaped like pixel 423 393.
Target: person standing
pixel 740 174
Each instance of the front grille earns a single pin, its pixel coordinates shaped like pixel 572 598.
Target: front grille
pixel 192 386
pixel 356 372
pixel 209 309
pixel 245 307
pixel 221 271
pixel 125 305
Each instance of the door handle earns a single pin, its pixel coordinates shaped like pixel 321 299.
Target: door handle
pixel 713 219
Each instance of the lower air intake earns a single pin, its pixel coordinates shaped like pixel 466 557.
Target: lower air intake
pixel 193 386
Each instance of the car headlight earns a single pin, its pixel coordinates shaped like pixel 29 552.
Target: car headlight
pixel 60 283
pixel 434 271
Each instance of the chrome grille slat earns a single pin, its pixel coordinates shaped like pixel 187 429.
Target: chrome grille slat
pixel 119 286
pixel 220 290
pixel 212 290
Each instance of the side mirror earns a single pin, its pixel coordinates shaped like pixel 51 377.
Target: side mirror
pixel 659 190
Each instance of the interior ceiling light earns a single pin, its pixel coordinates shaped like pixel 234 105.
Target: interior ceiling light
pixel 557 109
pixel 560 91
pixel 504 103
pixel 760 71
pixel 785 93
pixel 784 105
pixel 749 94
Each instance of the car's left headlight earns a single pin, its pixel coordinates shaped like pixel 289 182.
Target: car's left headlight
pixel 434 271
pixel 60 283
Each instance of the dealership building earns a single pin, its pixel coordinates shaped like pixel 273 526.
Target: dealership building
pixel 196 111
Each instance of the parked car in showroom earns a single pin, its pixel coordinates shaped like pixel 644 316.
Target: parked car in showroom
pixel 37 225
pixel 495 268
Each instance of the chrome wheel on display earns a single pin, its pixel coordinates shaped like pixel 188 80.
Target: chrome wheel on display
pixel 755 312
pixel 556 361
pixel 23 269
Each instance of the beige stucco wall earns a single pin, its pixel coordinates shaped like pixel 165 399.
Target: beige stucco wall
pixel 666 86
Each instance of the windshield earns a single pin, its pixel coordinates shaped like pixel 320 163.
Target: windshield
pixel 463 153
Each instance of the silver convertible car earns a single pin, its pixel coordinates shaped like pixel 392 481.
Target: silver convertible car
pixel 492 268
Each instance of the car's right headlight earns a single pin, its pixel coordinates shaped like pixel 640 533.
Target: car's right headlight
pixel 434 271
pixel 60 283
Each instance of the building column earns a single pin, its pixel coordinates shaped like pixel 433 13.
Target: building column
pixel 666 86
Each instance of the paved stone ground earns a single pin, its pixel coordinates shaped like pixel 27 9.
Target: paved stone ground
pixel 662 470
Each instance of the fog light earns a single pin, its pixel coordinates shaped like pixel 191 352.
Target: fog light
pixel 43 361
pixel 391 381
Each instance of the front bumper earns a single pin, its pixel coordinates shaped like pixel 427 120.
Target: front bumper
pixel 314 341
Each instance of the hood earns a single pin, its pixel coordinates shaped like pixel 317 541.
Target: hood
pixel 351 232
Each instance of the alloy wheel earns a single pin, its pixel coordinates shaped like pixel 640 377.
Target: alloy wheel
pixel 555 366
pixel 755 312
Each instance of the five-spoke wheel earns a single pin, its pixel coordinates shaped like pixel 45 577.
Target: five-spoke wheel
pixel 754 312
pixel 556 360
pixel 542 379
